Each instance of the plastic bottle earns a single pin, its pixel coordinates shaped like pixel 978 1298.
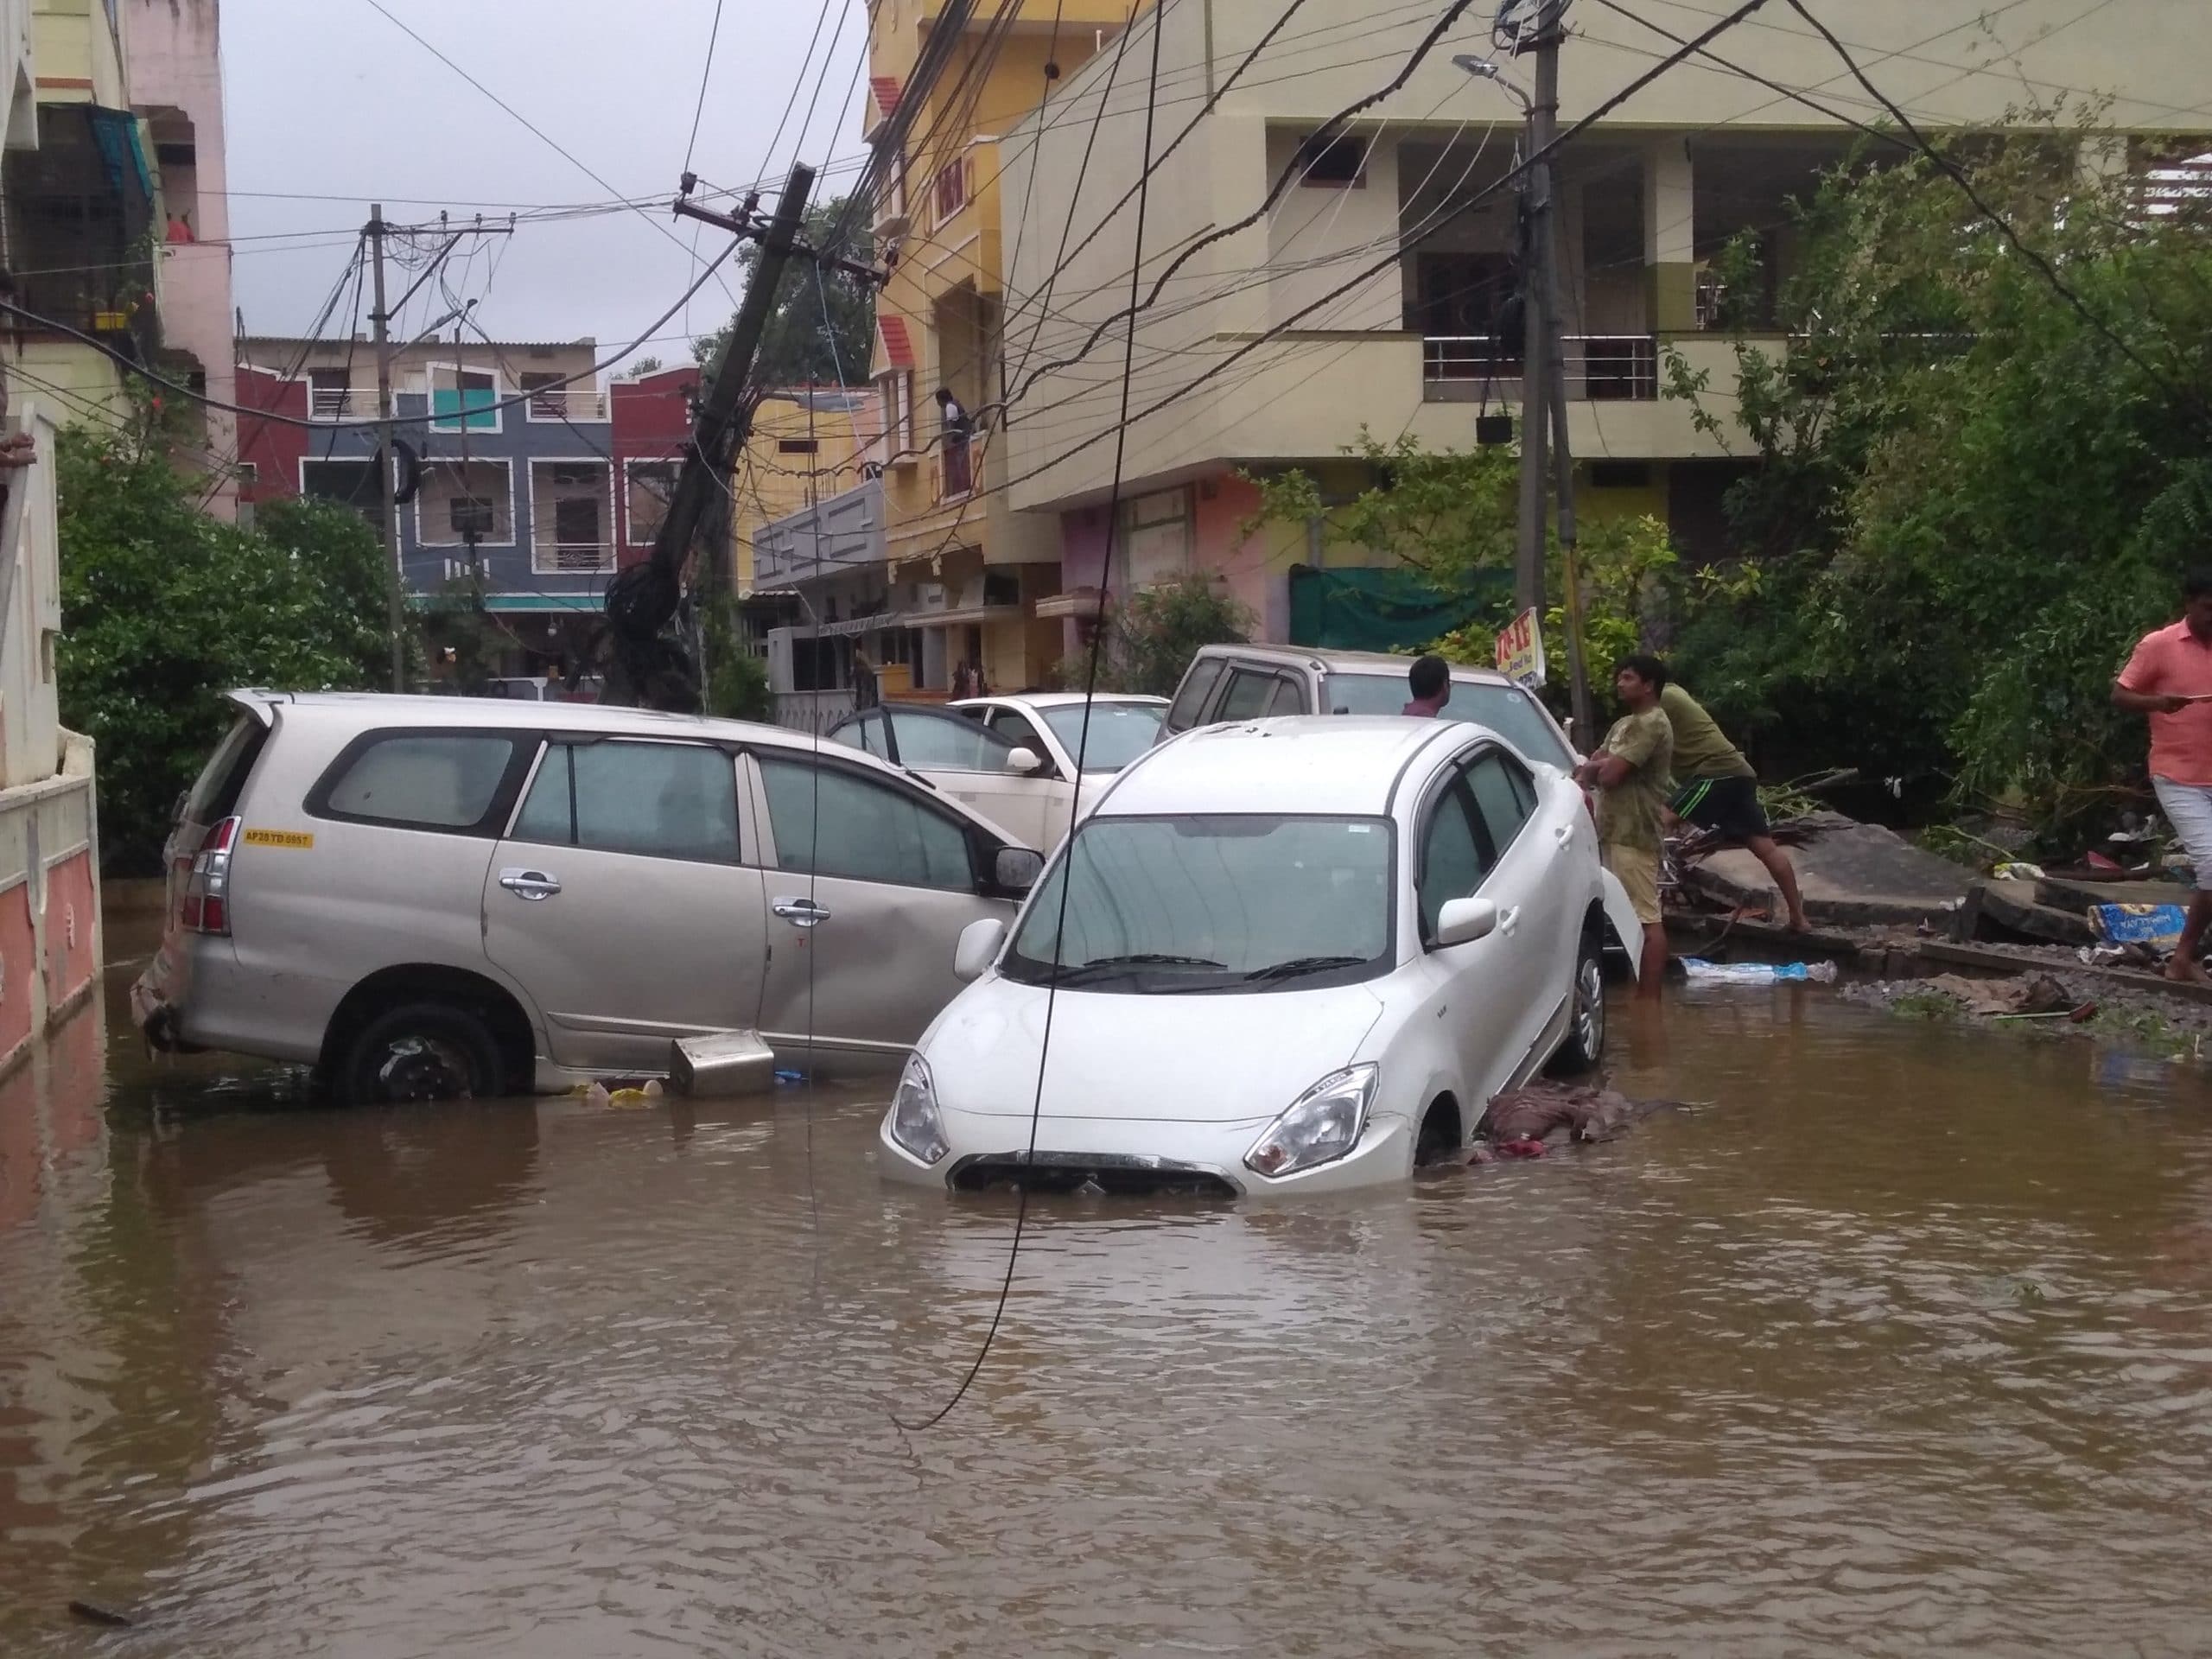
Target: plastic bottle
pixel 1756 973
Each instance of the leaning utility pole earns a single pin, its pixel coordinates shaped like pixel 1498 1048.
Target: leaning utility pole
pixel 643 599
pixel 387 454
pixel 1536 247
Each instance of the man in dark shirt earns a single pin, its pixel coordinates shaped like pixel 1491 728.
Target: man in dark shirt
pixel 1430 681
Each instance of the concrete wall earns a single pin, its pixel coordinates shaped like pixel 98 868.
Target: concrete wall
pixel 175 81
pixel 81 53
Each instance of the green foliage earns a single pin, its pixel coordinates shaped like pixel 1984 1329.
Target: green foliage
pixel 1151 639
pixel 164 609
pixel 821 331
pixel 459 631
pixel 737 680
pixel 1974 497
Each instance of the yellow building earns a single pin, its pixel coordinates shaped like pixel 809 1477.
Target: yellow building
pixel 83 212
pixel 802 447
pixel 973 572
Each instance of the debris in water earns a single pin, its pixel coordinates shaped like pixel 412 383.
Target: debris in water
pixel 96 1615
pixel 1521 1120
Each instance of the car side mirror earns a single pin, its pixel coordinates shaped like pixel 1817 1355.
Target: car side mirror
pixel 1023 761
pixel 1462 921
pixel 978 949
pixel 1017 868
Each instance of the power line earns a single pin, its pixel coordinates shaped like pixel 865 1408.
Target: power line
pixel 1083 744
pixel 706 73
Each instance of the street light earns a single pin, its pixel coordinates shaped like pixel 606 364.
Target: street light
pixel 1491 69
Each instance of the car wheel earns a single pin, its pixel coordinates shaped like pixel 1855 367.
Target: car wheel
pixel 1584 1043
pixel 422 1051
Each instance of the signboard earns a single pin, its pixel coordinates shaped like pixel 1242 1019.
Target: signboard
pixel 1521 650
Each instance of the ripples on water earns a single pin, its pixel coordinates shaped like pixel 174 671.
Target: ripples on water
pixel 1899 1341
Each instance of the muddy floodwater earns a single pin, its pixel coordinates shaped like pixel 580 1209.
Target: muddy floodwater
pixel 1899 1341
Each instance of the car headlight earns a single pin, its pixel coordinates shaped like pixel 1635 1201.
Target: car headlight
pixel 1321 1126
pixel 915 1124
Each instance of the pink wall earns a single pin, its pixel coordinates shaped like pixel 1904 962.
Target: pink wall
pixel 1257 580
pixel 175 72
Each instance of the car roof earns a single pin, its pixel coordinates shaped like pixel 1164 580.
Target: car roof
pixel 1348 662
pixel 1056 699
pixel 1335 764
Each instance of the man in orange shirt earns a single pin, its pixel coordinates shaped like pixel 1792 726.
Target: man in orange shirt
pixel 2169 679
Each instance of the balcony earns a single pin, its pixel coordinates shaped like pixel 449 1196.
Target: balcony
pixel 1600 368
pixel 571 518
pixel 844 532
pixel 560 404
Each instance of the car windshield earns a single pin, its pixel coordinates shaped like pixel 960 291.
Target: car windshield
pixel 1120 732
pixel 1506 709
pixel 1243 902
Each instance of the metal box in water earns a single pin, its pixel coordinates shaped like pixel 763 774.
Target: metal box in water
pixel 734 1063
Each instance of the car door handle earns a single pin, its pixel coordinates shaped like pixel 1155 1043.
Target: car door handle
pixel 1563 833
pixel 802 912
pixel 1508 920
pixel 532 885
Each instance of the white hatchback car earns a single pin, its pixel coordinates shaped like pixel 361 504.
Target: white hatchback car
pixel 1298 955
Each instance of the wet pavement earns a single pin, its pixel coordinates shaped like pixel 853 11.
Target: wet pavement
pixel 1900 1341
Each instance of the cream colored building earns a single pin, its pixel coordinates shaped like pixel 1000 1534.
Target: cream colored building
pixel 802 446
pixel 1412 342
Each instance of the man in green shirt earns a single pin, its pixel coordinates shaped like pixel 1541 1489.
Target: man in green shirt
pixel 1631 772
pixel 1719 792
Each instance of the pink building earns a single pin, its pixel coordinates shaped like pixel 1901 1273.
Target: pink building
pixel 175 74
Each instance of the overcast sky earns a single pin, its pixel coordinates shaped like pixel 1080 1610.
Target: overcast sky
pixel 331 100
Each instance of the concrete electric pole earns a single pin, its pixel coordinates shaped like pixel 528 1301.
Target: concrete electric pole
pixel 387 454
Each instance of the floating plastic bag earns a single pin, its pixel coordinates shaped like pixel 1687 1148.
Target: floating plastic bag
pixel 2126 924
pixel 1702 972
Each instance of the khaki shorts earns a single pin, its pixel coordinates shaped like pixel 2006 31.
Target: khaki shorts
pixel 1638 870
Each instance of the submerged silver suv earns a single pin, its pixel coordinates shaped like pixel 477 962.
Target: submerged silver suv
pixel 428 896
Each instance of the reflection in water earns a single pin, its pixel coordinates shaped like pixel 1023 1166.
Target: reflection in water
pixel 1896 1339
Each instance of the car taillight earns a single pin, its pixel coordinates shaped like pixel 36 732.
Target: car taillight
pixel 207 881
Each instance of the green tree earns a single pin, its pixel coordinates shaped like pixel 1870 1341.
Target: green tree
pixel 164 609
pixel 1976 488
pixel 821 328
pixel 737 680
pixel 1150 639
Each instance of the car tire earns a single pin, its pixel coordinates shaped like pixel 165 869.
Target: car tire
pixel 421 1051
pixel 1584 1045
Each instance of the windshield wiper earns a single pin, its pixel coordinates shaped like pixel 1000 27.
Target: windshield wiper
pixel 1297 967
pixel 1102 967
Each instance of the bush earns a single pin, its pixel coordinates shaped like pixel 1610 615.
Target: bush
pixel 164 609
pixel 1152 637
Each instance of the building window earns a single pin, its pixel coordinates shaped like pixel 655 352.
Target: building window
pixel 330 394
pixel 1339 161
pixel 652 485
pixel 454 496
pixel 951 188
pixel 569 510
pixel 249 474
pixel 548 396
pixel 349 483
pixel 464 396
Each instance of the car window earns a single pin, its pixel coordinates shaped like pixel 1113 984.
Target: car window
pixel 1506 709
pixel 1118 731
pixel 1288 699
pixel 1251 694
pixel 1492 781
pixel 1453 860
pixel 657 800
pixel 422 781
pixel 862 732
pixel 1015 728
pixel 1199 681
pixel 222 780
pixel 836 823
pixel 945 742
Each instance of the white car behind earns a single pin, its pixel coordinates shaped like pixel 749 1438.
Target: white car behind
pixel 1299 954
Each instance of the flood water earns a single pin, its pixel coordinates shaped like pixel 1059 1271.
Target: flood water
pixel 1899 1341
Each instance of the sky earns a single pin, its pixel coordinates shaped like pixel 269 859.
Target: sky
pixel 329 106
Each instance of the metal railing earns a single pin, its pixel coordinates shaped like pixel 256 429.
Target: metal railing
pixel 1600 368
pixel 549 558
pixel 330 403
pixel 813 711
pixel 567 404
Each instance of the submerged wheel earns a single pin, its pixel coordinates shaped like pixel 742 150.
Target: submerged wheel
pixel 1584 1043
pixel 423 1051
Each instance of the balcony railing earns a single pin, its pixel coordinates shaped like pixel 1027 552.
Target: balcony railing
pixel 551 558
pixel 567 404
pixel 1600 368
pixel 330 402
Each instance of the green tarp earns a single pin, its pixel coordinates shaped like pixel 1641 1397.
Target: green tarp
pixel 1385 609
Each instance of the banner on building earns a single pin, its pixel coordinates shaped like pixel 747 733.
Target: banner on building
pixel 1521 650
